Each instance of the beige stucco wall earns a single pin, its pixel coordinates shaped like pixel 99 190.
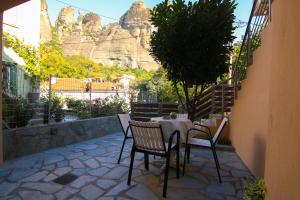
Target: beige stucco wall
pixel 282 171
pixel 249 117
pixel 265 120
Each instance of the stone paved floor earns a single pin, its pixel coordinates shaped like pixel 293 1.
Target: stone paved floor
pixel 100 177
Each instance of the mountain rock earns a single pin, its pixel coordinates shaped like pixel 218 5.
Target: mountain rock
pixel 136 21
pixel 125 43
pixel 45 25
pixel 92 22
pixel 65 22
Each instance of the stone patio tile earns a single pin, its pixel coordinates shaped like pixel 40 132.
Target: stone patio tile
pixel 92 163
pixel 221 188
pixel 119 188
pixel 63 163
pixel 6 188
pixel 53 159
pixel 94 153
pixel 91 192
pixel 74 155
pixel 99 171
pixel 4 172
pixel 35 195
pixel 76 163
pixel 76 198
pixel 89 146
pixel 105 184
pixel 106 198
pixel 36 177
pixel 21 173
pixel 84 157
pixel 83 180
pixel 48 188
pixel 65 193
pixel 186 183
pixel 50 177
pixel 141 192
pixel 61 171
pixel 79 172
pixel 116 173
pixel 49 167
pixel 240 173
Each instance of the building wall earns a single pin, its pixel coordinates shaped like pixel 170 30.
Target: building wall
pixel 26 19
pixel 1 133
pixel 282 172
pixel 249 117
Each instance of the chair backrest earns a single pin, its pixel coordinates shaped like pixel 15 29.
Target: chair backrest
pixel 220 130
pixel 182 116
pixel 148 136
pixel 124 119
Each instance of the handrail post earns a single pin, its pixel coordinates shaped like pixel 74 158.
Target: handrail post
pixel 222 100
pixel 213 99
pixel 270 10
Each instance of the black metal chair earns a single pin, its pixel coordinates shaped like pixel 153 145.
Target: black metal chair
pixel 148 139
pixel 206 143
pixel 124 119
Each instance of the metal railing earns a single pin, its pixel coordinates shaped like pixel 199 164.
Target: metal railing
pixel 259 18
pixel 220 98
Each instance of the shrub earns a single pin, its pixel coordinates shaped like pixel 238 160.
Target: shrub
pixel 56 109
pixel 16 111
pixel 256 190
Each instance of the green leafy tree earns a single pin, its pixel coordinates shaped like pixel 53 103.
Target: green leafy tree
pixel 192 44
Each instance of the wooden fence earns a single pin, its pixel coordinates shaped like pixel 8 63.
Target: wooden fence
pixel 144 111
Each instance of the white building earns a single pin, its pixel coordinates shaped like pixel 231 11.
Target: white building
pixel 24 22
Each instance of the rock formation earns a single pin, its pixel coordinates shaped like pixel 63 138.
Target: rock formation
pixel 65 22
pixel 45 25
pixel 124 43
pixel 136 21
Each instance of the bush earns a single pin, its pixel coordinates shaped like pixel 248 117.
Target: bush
pixel 100 107
pixel 256 190
pixel 57 112
pixel 79 107
pixel 109 106
pixel 16 111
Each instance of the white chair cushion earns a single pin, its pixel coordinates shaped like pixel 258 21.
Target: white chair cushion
pixel 199 142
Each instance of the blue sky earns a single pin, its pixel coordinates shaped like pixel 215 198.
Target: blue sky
pixel 116 8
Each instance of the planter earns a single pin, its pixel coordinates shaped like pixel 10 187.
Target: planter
pixel 33 96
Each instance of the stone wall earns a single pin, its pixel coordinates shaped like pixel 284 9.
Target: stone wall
pixel 28 140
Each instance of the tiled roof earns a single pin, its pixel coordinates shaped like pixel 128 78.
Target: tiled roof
pixel 73 84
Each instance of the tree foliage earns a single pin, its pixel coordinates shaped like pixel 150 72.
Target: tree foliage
pixel 192 44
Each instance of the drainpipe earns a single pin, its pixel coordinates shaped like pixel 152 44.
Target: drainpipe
pixel 1 130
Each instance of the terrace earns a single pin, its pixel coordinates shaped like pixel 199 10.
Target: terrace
pixel 98 176
pixel 260 113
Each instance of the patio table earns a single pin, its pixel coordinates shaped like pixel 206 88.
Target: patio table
pixel 170 125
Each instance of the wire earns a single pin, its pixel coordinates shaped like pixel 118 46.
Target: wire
pixel 14 26
pixel 68 4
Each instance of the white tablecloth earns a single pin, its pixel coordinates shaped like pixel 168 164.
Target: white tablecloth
pixel 170 125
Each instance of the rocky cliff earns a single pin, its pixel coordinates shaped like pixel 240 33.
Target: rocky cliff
pixel 125 43
pixel 45 23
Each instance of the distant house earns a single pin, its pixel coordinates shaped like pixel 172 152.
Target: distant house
pixel 85 89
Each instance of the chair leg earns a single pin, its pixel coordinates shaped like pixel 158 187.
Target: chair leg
pixel 146 161
pixel 216 162
pixel 188 154
pixel 122 150
pixel 216 157
pixel 131 166
pixel 184 159
pixel 177 162
pixel 166 175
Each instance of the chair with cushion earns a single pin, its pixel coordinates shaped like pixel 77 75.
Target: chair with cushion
pixel 148 139
pixel 206 143
pixel 124 119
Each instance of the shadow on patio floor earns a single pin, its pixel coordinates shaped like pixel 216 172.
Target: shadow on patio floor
pixel 100 177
